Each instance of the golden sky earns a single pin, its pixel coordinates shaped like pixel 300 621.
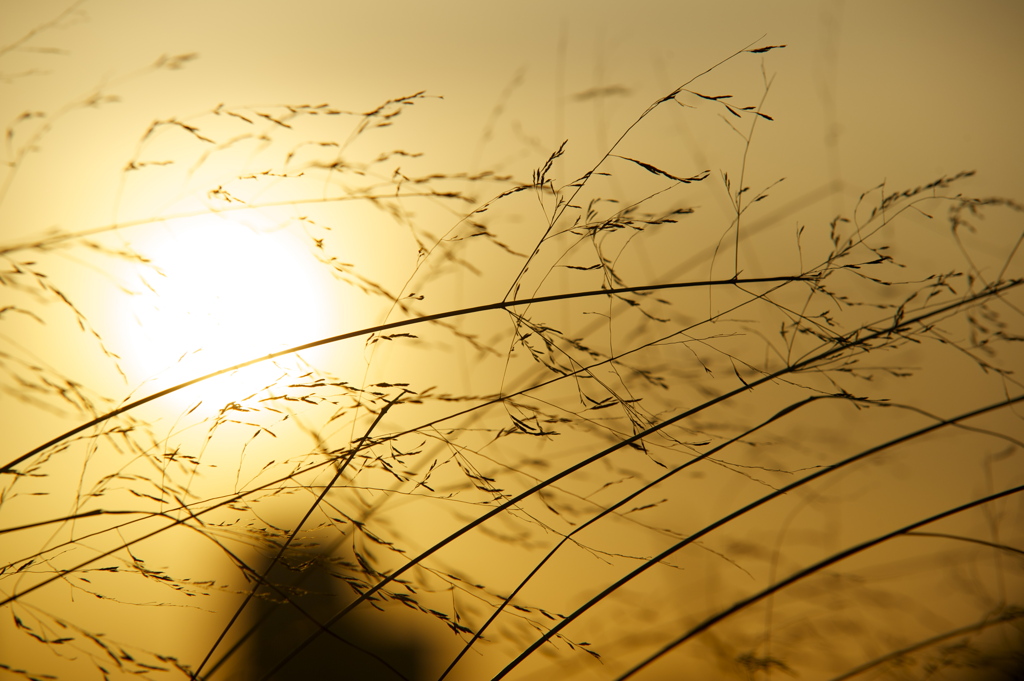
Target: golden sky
pixel 913 89
pixel 864 93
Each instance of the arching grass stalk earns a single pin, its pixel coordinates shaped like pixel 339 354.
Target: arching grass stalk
pixel 254 627
pixel 822 564
pixel 995 619
pixel 502 305
pixel 619 504
pixel 231 499
pixel 754 505
pixel 341 465
pixel 855 340
pixel 626 371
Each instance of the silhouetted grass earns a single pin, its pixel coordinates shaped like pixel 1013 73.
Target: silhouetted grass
pixel 579 438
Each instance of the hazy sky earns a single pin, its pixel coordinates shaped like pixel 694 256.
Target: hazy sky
pixel 866 91
pixel 914 89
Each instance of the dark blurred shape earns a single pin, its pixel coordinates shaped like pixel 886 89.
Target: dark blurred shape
pixel 366 650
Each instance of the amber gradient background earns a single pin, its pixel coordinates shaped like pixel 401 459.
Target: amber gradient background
pixel 865 92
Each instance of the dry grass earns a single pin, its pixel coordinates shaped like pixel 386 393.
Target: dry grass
pixel 579 430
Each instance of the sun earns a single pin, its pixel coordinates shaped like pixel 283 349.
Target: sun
pixel 217 292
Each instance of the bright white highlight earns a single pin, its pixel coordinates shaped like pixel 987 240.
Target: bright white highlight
pixel 219 293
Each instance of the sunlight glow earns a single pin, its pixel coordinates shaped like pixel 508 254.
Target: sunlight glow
pixel 216 293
